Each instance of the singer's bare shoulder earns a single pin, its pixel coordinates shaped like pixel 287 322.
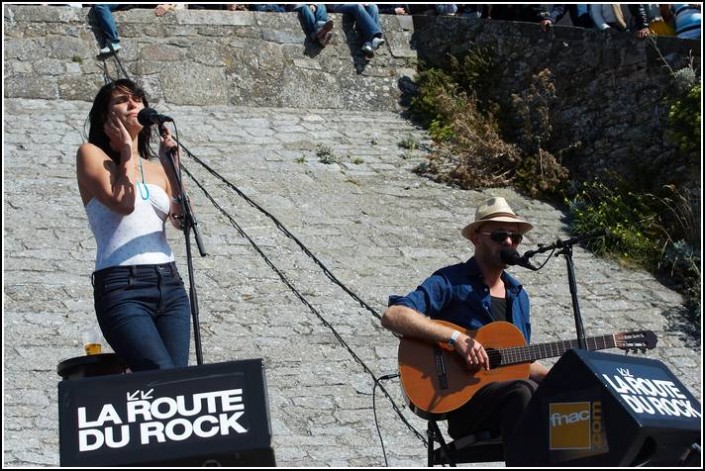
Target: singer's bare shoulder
pixel 88 149
pixel 92 164
pixel 89 155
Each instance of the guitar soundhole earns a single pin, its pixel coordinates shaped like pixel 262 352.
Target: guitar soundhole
pixel 495 357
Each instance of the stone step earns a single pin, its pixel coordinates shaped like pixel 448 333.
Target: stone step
pixel 379 228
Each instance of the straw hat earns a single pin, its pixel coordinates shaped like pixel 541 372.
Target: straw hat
pixel 495 209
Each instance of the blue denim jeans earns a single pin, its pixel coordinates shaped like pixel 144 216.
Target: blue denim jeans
pixel 366 18
pixel 104 16
pixel 144 313
pixel 267 7
pixel 311 21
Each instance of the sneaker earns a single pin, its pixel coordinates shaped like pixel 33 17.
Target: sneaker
pixel 107 49
pixel 377 42
pixel 367 50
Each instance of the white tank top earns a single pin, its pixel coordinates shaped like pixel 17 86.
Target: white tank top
pixel 138 238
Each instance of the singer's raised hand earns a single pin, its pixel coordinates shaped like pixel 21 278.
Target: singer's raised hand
pixel 168 146
pixel 118 134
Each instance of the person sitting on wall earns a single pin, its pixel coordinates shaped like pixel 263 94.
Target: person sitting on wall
pixel 534 13
pixel 647 20
pixel 314 21
pixel 108 36
pixel 579 14
pixel 608 16
pixel 688 19
pixel 366 17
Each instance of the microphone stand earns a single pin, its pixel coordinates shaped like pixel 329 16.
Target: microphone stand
pixel 566 247
pixel 189 223
pixel 567 252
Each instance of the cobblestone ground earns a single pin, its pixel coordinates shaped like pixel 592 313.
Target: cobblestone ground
pixel 378 227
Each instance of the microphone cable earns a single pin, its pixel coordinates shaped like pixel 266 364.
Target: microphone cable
pixel 290 285
pixel 120 68
pixel 288 233
pixel 374 411
pixel 546 261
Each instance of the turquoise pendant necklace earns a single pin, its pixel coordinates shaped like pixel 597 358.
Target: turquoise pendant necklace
pixel 144 191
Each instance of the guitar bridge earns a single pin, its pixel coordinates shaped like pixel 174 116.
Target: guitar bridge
pixel 440 367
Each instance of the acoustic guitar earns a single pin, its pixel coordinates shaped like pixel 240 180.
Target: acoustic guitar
pixel 436 380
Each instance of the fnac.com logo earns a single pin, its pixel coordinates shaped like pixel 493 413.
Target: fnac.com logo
pixel 569 425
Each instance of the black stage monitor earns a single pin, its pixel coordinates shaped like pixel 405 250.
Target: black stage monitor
pixel 601 409
pixel 207 415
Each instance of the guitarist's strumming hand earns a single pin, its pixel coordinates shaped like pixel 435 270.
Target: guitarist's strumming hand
pixel 472 352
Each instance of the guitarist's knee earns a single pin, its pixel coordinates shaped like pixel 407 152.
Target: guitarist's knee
pixel 521 391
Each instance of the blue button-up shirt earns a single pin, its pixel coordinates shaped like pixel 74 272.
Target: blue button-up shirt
pixel 458 294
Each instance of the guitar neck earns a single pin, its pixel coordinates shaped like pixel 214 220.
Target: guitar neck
pixel 513 355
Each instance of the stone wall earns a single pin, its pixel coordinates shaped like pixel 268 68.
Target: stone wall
pixel 610 109
pixel 610 86
pixel 202 57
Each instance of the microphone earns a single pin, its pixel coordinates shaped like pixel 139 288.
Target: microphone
pixel 149 116
pixel 510 256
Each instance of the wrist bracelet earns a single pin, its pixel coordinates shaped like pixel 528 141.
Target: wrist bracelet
pixel 453 337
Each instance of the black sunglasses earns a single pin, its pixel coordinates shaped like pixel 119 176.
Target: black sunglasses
pixel 501 236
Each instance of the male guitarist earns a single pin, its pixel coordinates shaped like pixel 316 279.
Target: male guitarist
pixel 473 294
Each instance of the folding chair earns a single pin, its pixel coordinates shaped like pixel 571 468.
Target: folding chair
pixel 479 447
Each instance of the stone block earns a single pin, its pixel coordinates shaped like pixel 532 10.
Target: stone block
pixel 400 44
pixel 31 86
pixel 66 48
pixel 161 53
pixel 195 85
pixel 25 50
pixel 283 37
pixel 216 17
pixel 49 67
pixel 41 14
pixel 78 87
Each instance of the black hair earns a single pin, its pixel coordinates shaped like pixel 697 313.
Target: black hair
pixel 99 115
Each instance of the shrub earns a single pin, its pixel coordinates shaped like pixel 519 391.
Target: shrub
pixel 656 232
pixel 684 118
pixel 461 111
pixel 626 215
pixel 432 84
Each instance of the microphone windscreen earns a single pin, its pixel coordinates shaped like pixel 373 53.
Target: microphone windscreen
pixel 148 117
pixel 510 256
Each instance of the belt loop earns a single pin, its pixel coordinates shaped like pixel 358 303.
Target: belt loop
pixel 93 279
pixel 133 275
pixel 172 268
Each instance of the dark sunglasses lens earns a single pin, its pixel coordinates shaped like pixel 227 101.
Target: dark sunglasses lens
pixel 502 236
pixel 498 236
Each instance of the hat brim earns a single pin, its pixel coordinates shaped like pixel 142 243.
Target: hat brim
pixel 470 229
